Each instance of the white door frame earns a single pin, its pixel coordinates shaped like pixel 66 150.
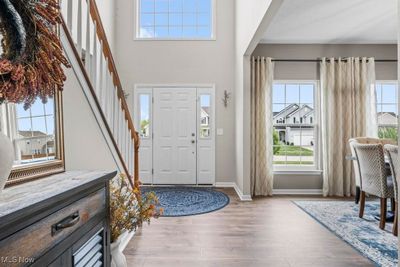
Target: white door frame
pixel 205 146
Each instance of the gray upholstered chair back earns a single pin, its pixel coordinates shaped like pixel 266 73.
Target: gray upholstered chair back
pixel 371 161
pixel 356 169
pixel 393 155
pixel 364 140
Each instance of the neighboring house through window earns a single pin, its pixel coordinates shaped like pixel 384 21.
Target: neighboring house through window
pixel 387 109
pixel 35 131
pixel 175 19
pixel 31 130
pixel 294 129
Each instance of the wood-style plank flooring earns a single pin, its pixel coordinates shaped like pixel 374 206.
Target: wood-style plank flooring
pixel 266 232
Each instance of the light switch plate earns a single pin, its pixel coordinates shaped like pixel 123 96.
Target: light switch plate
pixel 220 131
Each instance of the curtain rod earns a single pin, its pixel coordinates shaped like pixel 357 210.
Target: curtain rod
pixel 320 60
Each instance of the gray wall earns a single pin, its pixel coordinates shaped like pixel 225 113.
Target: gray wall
pixel 309 71
pixel 184 62
pixel 85 145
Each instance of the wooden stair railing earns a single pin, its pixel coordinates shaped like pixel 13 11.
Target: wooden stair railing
pixel 85 32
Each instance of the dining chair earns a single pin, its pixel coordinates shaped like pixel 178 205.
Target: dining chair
pixel 371 162
pixel 357 175
pixel 393 156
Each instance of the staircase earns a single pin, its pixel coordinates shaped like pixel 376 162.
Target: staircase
pixel 85 44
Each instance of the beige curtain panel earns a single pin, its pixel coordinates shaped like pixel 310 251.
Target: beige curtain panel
pixel 348 110
pixel 261 170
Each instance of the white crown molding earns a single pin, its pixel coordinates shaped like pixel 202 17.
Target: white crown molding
pixel 237 190
pixel 297 191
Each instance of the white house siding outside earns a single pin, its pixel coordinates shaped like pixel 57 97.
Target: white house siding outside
pixel 387 118
pixel 33 146
pixel 294 125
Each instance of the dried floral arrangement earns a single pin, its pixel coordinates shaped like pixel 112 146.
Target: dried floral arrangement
pixel 30 65
pixel 130 208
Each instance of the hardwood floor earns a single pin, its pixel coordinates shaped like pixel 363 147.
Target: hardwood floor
pixel 266 232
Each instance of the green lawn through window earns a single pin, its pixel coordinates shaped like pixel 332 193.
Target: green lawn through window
pixel 286 150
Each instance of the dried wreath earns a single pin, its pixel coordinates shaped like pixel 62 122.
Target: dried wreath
pixel 32 55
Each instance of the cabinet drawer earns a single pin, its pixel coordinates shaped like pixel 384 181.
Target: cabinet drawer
pixel 37 238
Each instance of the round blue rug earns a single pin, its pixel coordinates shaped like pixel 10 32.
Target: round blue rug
pixel 185 201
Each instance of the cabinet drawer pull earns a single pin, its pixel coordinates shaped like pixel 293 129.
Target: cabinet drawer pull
pixel 65 223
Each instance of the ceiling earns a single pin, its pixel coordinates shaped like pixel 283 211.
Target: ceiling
pixel 334 21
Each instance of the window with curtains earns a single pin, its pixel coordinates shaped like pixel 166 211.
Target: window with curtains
pixel 175 19
pixel 387 109
pixel 295 138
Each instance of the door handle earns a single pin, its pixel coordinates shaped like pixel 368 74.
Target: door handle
pixel 193 141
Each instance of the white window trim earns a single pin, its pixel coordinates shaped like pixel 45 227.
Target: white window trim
pixel 397 103
pixel 304 169
pixel 137 27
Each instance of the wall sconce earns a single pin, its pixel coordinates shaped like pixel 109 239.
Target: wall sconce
pixel 227 97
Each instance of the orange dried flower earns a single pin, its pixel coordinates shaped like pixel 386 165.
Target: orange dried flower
pixel 129 208
pixel 5 66
pixel 17 73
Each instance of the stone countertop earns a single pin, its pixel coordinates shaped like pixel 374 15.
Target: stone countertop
pixel 24 196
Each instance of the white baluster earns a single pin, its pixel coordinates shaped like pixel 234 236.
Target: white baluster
pixel 69 15
pixel 99 71
pixel 87 52
pixel 115 117
pixel 121 126
pixel 130 152
pixel 126 140
pixel 64 9
pixel 106 95
pixel 122 135
pixel 109 96
pixel 94 62
pixel 79 29
pixel 103 80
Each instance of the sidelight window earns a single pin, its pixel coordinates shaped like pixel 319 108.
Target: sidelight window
pixel 144 115
pixel 205 115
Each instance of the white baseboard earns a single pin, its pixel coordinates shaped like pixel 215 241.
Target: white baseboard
pixel 125 238
pixel 297 191
pixel 225 184
pixel 237 190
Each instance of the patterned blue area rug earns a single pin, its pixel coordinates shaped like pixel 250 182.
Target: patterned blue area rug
pixel 341 217
pixel 184 201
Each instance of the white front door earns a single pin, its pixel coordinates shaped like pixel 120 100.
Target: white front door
pixel 174 136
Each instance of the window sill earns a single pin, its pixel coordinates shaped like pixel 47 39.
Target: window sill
pixel 298 172
pixel 175 39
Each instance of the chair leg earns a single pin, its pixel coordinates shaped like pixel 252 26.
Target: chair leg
pixel 396 218
pixel 362 204
pixel 358 192
pixel 392 205
pixel 383 213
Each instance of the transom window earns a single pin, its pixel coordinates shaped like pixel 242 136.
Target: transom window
pixel 294 132
pixel 175 19
pixel 387 109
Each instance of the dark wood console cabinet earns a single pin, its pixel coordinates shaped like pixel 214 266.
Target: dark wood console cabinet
pixel 62 220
